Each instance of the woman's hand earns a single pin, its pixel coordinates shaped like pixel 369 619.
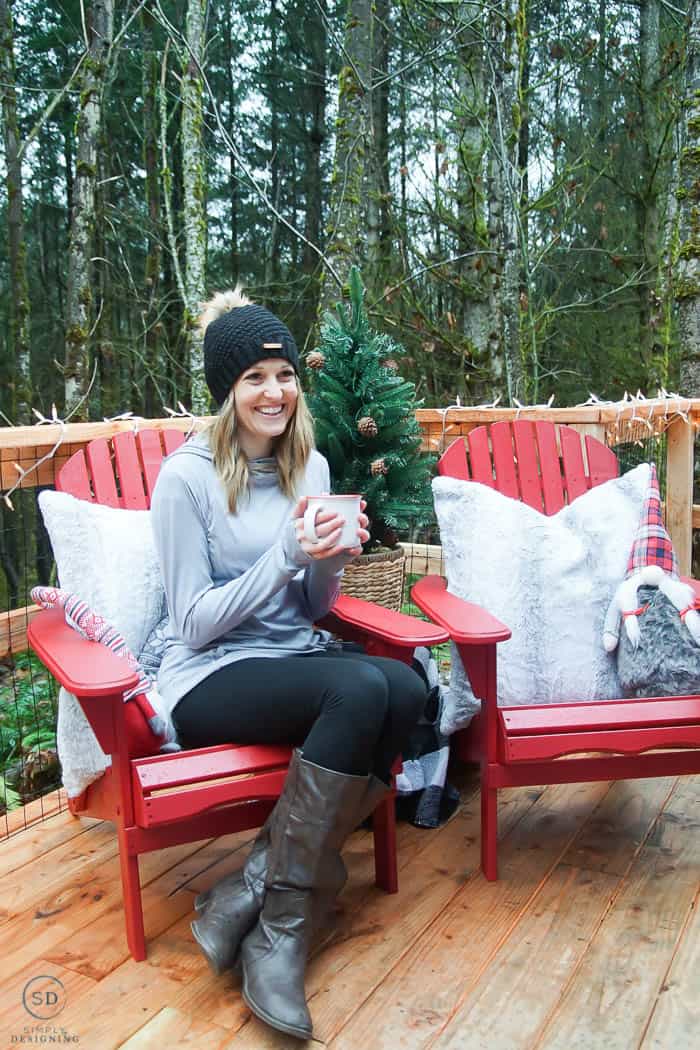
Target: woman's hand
pixel 328 529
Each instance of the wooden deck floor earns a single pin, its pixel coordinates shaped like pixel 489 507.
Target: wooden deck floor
pixel 590 939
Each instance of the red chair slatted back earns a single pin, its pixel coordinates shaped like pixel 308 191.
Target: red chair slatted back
pixel 121 471
pixel 536 462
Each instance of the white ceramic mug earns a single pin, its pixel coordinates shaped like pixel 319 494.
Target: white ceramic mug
pixel 347 506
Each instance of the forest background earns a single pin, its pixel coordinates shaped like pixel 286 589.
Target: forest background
pixel 518 181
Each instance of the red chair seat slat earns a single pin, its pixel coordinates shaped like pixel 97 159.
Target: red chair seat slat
pixel 528 468
pixel 618 741
pixel 153 810
pixel 550 468
pixel 158 772
pixel 503 461
pixel 129 470
pixel 606 714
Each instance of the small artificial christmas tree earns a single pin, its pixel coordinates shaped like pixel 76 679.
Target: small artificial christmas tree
pixel 365 421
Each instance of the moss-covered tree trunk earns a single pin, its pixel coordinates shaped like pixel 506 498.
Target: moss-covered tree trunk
pixel 507 41
pixel 100 17
pixel 687 285
pixel 80 291
pixel 470 125
pixel 654 174
pixel 18 401
pixel 377 166
pixel 315 137
pixel 346 222
pixel 152 325
pixel 194 195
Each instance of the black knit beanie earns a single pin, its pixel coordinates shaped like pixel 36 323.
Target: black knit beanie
pixel 239 338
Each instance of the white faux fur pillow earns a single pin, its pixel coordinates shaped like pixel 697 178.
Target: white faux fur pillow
pixel 550 579
pixel 107 557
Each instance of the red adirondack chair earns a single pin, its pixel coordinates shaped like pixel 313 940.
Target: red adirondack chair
pixel 520 746
pixel 169 799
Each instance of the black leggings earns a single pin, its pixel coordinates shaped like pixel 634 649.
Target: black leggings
pixel 350 712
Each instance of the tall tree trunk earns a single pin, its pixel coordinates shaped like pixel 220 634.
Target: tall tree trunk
pixel 506 39
pixel 19 406
pixel 649 222
pixel 347 219
pixel 272 253
pixel 470 125
pixel 315 138
pixel 377 166
pixel 100 16
pixel 194 196
pixel 151 323
pixel 687 285
pixel 233 193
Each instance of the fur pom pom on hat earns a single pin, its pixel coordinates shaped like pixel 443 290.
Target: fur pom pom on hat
pixel 237 333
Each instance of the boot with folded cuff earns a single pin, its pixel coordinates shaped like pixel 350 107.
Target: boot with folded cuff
pixel 305 872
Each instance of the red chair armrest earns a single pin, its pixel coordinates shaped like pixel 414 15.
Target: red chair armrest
pixel 375 621
pixel 467 623
pixel 84 668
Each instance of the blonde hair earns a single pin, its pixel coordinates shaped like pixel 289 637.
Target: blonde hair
pixel 293 447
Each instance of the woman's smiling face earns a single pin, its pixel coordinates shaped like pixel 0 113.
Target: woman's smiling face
pixel 265 396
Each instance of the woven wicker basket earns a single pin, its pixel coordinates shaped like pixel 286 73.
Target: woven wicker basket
pixel 376 578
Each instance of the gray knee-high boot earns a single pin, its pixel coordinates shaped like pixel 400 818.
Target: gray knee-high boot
pixel 230 908
pixel 302 863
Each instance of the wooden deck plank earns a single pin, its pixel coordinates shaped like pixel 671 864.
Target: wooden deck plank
pixel 41 839
pixel 174 1029
pixel 13 1015
pixel 676 1018
pixel 619 826
pixel 609 1002
pixel 99 946
pixel 448 962
pixel 505 1009
pixel 409 1006
pixel 52 871
pixel 375 931
pixel 116 1007
pixel 57 918
pixel 508 1007
pixel 18 820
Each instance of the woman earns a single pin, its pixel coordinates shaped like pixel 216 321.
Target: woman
pixel 244 661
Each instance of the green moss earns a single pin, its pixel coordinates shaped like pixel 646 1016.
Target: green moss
pixel 76 335
pixel 83 168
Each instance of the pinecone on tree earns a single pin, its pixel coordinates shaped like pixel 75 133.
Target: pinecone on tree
pixel 392 364
pixel 367 427
pixel 315 360
pixel 377 467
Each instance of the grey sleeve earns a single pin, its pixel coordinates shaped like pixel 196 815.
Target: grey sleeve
pixel 201 612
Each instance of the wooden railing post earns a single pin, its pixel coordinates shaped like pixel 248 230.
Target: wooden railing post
pixel 679 491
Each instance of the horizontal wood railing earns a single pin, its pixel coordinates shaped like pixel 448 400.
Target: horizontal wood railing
pixel 24 447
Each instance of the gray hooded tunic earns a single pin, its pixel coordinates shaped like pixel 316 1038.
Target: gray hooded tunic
pixel 237 585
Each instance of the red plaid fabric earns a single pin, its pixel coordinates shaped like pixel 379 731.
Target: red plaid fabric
pixel 652 544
